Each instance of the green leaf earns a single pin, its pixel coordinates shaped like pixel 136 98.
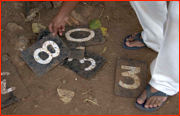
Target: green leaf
pixel 94 24
pixel 37 26
pixel 104 30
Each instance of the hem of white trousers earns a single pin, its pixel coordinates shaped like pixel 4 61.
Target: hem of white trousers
pixel 162 88
pixel 144 37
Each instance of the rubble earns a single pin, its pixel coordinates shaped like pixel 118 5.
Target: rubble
pixel 22 43
pixel 17 61
pixel 57 4
pixel 64 81
pixel 77 16
pixel 5 58
pixel 47 4
pixel 65 95
pixel 86 12
pixel 33 13
pixel 101 5
pixel 12 27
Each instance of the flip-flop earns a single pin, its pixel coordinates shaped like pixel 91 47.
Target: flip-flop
pixel 149 94
pixel 135 38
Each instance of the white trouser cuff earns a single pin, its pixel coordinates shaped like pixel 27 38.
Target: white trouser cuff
pixel 152 45
pixel 163 88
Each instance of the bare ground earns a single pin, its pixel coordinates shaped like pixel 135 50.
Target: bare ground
pixel 43 98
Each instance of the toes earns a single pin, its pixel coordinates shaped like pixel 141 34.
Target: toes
pixel 152 102
pixel 156 103
pixel 134 44
pixel 135 34
pixel 159 102
pixel 129 39
pixel 164 99
pixel 130 44
pixel 142 98
pixel 147 105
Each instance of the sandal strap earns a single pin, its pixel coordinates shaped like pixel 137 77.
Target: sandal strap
pixel 159 93
pixel 139 39
pixel 149 94
pixel 137 35
pixel 148 91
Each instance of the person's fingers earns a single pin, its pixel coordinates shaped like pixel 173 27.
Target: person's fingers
pixel 55 29
pixel 63 26
pixel 60 32
pixel 64 23
pixel 51 27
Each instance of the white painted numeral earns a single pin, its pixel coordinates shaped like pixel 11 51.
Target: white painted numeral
pixel 132 74
pixel 91 67
pixel 69 38
pixel 3 88
pixel 44 49
pixel 3 85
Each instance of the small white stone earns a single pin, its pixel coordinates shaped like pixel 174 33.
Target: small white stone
pixel 36 106
pixel 64 81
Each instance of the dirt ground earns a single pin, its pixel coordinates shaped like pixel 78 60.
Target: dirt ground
pixel 120 20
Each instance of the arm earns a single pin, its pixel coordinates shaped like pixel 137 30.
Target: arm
pixel 58 22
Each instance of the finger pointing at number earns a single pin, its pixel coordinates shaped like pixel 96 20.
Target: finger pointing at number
pixel 55 29
pixel 51 27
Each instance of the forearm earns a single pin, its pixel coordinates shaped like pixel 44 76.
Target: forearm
pixel 58 22
pixel 67 7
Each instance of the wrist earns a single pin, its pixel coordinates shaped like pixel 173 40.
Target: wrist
pixel 61 15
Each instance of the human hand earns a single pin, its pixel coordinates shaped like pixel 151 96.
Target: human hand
pixel 57 24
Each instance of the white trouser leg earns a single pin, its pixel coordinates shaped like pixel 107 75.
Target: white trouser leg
pixel 165 68
pixel 152 16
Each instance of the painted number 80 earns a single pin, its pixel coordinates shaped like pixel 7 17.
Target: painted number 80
pixel 56 48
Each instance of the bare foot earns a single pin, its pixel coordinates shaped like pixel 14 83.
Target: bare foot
pixel 153 101
pixel 136 43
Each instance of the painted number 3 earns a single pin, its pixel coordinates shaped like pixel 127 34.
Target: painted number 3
pixel 132 74
pixel 44 49
pixel 91 67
